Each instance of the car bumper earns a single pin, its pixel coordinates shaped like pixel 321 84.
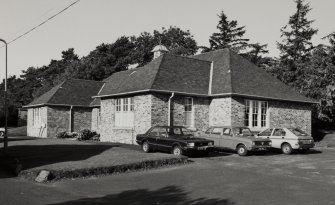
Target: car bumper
pixel 305 146
pixel 259 148
pixel 198 149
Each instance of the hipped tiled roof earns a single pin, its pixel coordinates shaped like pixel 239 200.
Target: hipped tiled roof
pixel 73 92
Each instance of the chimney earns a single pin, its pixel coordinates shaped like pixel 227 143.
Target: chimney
pixel 159 50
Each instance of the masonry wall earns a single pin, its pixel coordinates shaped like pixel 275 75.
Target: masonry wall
pixel 287 114
pixel 220 112
pixel 96 121
pixel 142 119
pixel 81 118
pixel 58 120
pixel 37 130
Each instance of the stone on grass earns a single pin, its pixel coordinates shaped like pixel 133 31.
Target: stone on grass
pixel 43 176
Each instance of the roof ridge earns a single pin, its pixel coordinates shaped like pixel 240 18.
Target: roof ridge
pixel 221 49
pixel 188 57
pixel 230 72
pixel 159 67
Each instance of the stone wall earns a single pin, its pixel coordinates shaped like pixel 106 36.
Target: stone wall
pixel 289 114
pixel 81 119
pixel 159 110
pixel 220 111
pixel 58 120
pixel 37 130
pixel 96 120
pixel 142 119
pixel 237 111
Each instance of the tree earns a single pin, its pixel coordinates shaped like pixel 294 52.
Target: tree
pixel 296 44
pixel 177 41
pixel 255 54
pixel 230 35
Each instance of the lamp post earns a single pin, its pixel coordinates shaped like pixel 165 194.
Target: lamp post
pixel 5 139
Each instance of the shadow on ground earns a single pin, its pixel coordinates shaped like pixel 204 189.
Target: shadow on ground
pixel 12 139
pixel 31 156
pixel 166 195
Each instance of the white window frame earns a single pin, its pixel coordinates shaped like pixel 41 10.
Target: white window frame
pixel 188 101
pixel 255 108
pixel 124 113
pixel 37 118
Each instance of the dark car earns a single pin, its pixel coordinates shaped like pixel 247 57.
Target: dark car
pixel 176 139
pixel 240 139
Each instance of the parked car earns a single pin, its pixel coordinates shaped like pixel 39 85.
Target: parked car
pixel 288 139
pixel 2 132
pixel 175 139
pixel 240 139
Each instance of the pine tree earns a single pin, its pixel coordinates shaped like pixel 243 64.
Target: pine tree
pixel 296 44
pixel 230 35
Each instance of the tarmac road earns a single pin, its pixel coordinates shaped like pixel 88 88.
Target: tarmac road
pixel 220 179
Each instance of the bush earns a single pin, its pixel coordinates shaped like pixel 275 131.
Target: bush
pixel 87 134
pixel 65 135
pixel 96 138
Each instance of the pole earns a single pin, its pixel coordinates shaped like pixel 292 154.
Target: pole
pixel 5 141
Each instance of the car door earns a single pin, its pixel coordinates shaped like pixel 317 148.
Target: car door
pixel 216 135
pixel 278 137
pixel 162 139
pixel 226 140
pixel 153 136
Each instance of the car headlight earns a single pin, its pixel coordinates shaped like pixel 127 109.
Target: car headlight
pixel 191 144
pixel 210 143
pixel 270 143
pixel 253 143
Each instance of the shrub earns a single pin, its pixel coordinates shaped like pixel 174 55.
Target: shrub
pixel 65 135
pixel 96 138
pixel 86 134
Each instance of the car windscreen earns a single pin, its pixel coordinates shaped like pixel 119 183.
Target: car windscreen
pixel 241 131
pixel 297 132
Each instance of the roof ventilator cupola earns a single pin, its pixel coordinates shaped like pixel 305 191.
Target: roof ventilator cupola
pixel 159 50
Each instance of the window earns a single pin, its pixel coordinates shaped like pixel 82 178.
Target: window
pixel 256 114
pixel 124 112
pixel 279 132
pixel 189 114
pixel 158 132
pixel 218 131
pixel 226 131
pixel 37 117
pixel 266 132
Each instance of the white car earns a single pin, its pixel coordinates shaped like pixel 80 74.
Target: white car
pixel 288 139
pixel 2 132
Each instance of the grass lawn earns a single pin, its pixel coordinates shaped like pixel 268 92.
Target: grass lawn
pixel 67 158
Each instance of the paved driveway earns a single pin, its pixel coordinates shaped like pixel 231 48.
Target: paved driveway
pixel 223 179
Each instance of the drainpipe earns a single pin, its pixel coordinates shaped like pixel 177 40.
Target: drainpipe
pixel 70 121
pixel 169 110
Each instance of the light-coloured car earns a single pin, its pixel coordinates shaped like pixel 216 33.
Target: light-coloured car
pixel 240 139
pixel 2 132
pixel 288 139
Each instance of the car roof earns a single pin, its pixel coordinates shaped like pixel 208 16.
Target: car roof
pixel 228 126
pixel 163 126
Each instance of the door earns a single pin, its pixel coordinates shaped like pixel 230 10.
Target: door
pixel 216 135
pixel 227 139
pixel 278 137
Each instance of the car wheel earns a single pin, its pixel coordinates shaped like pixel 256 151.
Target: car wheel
pixel 2 134
pixel 242 150
pixel 286 148
pixel 146 147
pixel 177 151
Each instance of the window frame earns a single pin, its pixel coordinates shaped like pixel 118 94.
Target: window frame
pixel 124 113
pixel 256 114
pixel 189 103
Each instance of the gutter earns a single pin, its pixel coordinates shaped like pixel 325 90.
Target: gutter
pixel 169 110
pixel 70 119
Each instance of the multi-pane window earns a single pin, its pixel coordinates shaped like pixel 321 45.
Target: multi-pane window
pixel 37 117
pixel 124 112
pixel 256 114
pixel 188 113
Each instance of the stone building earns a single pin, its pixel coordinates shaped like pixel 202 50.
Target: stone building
pixel 214 88
pixel 66 107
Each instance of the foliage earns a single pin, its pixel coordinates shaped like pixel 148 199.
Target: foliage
pixel 87 134
pixel 66 135
pixel 230 35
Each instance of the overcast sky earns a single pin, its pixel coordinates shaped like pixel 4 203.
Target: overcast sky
pixel 92 22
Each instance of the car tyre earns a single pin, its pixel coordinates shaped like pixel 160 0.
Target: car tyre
pixel 146 147
pixel 242 150
pixel 177 150
pixel 2 134
pixel 286 148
